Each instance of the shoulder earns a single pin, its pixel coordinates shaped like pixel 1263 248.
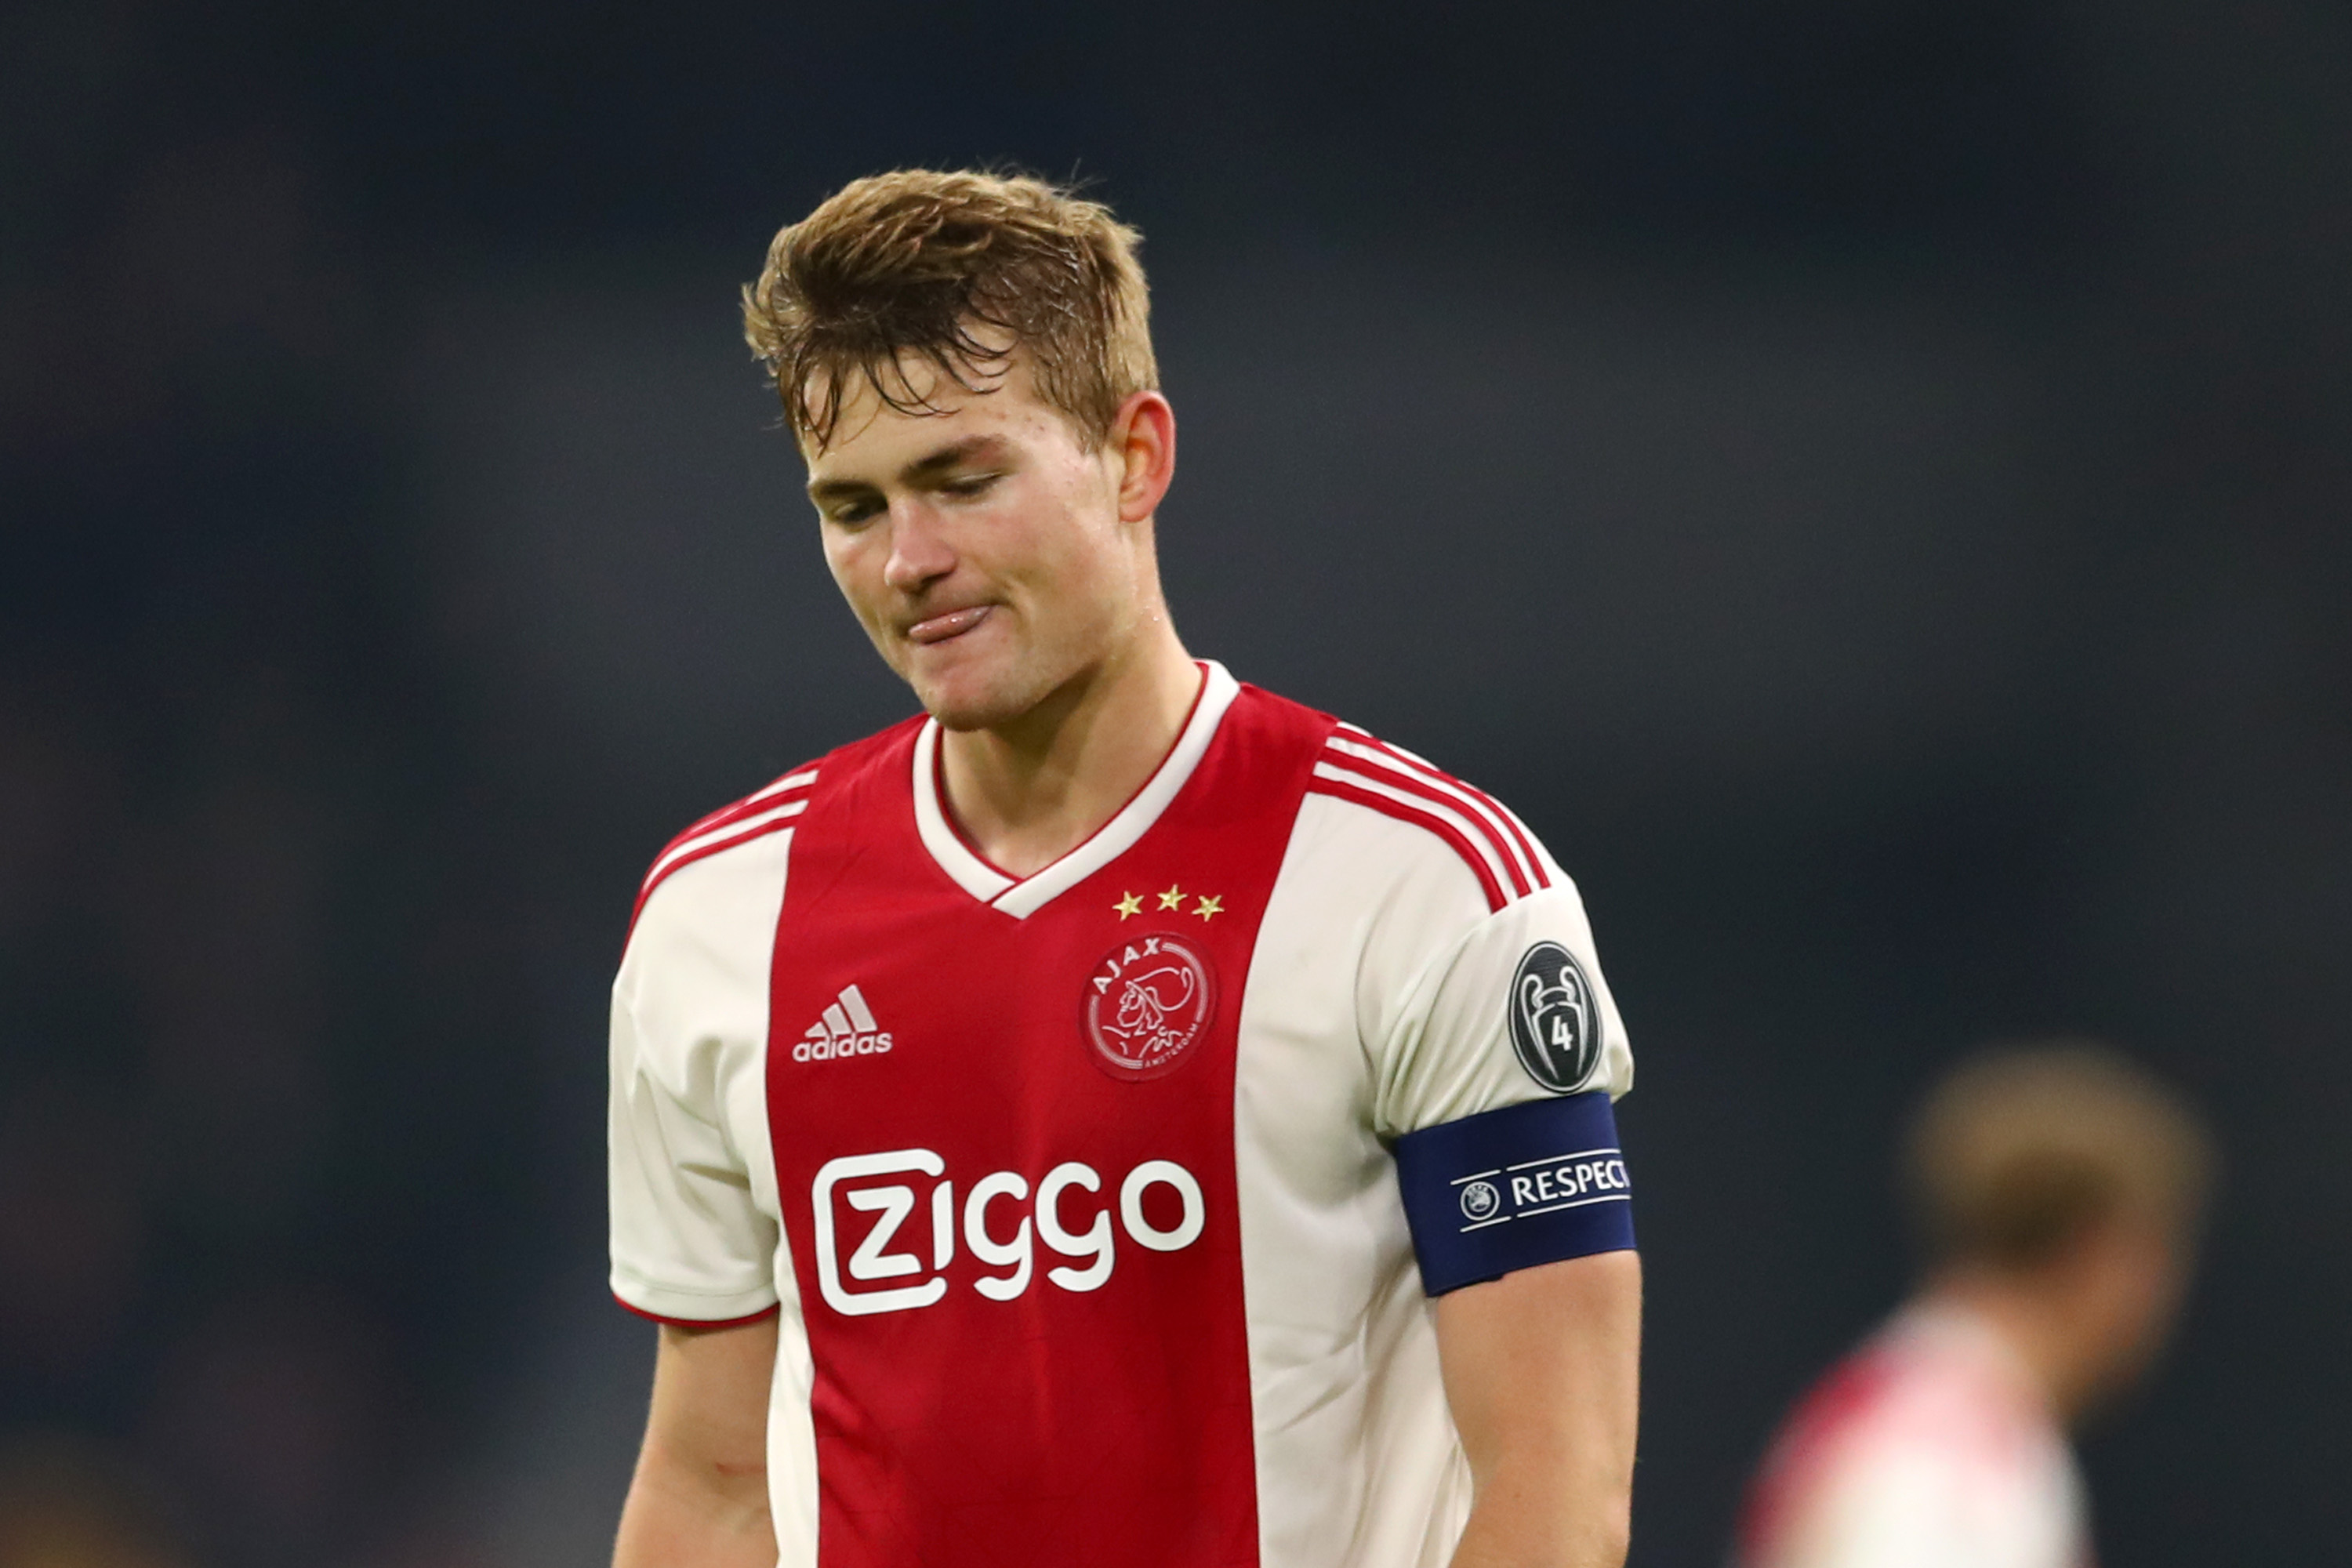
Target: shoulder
pixel 1446 907
pixel 775 808
pixel 1899 1434
pixel 767 811
pixel 1416 811
pixel 1830 1437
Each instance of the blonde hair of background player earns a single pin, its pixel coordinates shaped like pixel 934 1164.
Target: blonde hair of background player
pixel 2059 1189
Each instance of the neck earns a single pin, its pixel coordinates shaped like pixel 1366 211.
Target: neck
pixel 1028 792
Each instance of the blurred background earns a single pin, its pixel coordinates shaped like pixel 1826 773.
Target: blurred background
pixel 1868 481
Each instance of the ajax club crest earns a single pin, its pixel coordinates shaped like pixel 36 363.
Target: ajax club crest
pixel 1145 1005
pixel 1555 1019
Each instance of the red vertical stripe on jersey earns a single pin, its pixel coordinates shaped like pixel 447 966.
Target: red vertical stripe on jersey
pixel 1049 1420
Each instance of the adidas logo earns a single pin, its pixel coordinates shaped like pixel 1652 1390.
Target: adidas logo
pixel 847 1030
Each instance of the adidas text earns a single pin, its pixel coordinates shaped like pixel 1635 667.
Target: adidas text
pixel 872 1044
pixel 847 1029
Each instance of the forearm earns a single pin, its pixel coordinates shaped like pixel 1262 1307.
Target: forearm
pixel 1524 1518
pixel 677 1516
pixel 699 1496
pixel 1542 1374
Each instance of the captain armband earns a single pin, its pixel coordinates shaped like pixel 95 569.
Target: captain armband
pixel 1507 1189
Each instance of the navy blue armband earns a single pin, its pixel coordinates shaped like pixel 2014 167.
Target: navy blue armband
pixel 1513 1188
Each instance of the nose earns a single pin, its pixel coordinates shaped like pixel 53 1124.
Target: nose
pixel 919 554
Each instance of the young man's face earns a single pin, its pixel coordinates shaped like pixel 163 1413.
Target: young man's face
pixel 981 545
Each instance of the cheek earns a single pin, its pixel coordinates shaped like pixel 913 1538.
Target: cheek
pixel 1071 580
pixel 1055 536
pixel 1083 549
pixel 855 569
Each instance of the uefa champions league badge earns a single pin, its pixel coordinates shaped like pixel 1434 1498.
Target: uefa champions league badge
pixel 1555 1019
pixel 1145 1005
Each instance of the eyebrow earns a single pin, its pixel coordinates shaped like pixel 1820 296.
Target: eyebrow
pixel 954 454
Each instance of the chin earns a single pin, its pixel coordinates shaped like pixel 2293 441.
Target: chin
pixel 965 717
pixel 987 686
pixel 975 703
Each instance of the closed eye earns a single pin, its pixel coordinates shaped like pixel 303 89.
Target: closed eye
pixel 969 487
pixel 850 513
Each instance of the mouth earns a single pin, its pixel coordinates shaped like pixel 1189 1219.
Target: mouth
pixel 939 629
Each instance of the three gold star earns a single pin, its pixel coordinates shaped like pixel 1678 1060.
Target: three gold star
pixel 1208 906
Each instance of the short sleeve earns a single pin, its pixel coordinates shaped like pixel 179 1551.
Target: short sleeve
pixel 1507 1006
pixel 1495 1078
pixel 690 1239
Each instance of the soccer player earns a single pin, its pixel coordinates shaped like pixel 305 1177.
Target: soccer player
pixel 1117 1117
pixel 2058 1189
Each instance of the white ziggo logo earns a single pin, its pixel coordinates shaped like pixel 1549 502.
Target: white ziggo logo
pixel 847 1029
pixel 893 1201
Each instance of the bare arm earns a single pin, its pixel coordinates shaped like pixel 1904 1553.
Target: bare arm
pixel 700 1498
pixel 1542 1369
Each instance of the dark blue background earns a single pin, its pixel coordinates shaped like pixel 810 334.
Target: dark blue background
pixel 1867 482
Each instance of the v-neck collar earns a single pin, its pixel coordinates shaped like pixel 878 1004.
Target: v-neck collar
pixel 1021 897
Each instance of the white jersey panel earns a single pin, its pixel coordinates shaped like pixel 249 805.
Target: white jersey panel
pixel 690 1239
pixel 695 1219
pixel 1952 1461
pixel 1378 1004
pixel 1902 1505
pixel 1443 1044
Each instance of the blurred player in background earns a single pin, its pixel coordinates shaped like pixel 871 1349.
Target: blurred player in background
pixel 1118 1119
pixel 2058 1190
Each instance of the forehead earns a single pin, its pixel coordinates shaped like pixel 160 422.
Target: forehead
pixel 871 437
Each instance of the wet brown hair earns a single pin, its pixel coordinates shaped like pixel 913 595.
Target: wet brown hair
pixel 2022 1151
pixel 961 269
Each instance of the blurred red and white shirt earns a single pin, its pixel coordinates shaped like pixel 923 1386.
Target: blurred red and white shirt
pixel 1930 1447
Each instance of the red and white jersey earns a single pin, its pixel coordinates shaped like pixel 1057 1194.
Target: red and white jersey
pixel 1930 1447
pixel 1078 1193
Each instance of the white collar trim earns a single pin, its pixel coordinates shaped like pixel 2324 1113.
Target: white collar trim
pixel 1022 897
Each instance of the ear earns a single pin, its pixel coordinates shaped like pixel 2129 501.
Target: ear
pixel 1142 441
